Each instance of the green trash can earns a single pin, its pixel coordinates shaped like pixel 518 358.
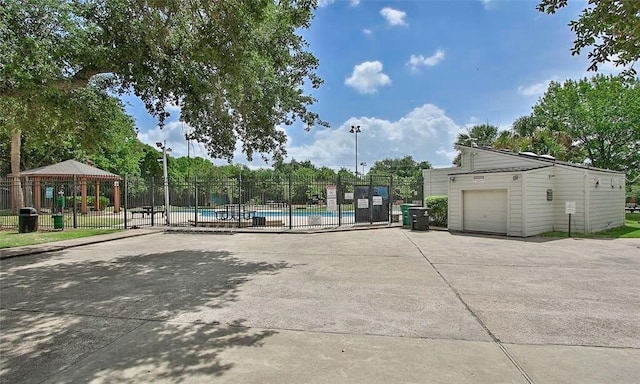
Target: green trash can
pixel 406 218
pixel 58 221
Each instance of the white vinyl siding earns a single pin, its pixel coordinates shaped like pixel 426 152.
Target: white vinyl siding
pixel 485 210
pixel 606 201
pixel 539 212
pixel 569 186
pixel 528 212
pixel 436 181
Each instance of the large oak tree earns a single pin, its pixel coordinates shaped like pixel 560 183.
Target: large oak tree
pixel 237 68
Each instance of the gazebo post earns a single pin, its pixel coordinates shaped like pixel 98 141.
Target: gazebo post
pixel 96 203
pixel 83 196
pixel 38 194
pixel 116 197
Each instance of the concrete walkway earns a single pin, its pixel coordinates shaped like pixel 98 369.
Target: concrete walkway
pixel 378 306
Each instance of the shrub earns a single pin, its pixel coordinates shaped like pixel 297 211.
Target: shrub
pixel 438 209
pixel 104 201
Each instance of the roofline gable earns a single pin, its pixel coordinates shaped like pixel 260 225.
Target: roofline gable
pixel 534 160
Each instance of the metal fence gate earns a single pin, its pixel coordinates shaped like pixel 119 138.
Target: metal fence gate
pixel 245 201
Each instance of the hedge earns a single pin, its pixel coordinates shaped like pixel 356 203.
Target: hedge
pixel 438 209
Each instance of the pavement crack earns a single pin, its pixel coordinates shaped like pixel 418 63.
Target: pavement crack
pixel 472 313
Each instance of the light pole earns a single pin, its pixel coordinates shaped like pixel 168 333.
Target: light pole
pixel 363 164
pixel 356 129
pixel 164 148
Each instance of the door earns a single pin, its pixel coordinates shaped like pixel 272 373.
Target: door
pixel 485 211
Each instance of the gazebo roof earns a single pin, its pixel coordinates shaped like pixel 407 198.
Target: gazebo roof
pixel 71 168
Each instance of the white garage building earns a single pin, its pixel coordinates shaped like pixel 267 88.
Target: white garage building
pixel 523 194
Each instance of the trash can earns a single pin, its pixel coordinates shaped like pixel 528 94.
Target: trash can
pixel 58 221
pixel 406 218
pixel 258 221
pixel 419 218
pixel 27 220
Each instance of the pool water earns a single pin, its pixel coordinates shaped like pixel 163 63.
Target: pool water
pixel 295 212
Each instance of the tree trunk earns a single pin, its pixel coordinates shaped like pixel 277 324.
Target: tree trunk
pixel 17 198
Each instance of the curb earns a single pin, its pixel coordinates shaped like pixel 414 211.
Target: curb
pixel 26 250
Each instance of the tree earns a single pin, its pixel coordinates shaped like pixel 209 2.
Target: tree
pixel 402 167
pixel 482 135
pixel 611 27
pixel 235 67
pixel 85 124
pixel 600 116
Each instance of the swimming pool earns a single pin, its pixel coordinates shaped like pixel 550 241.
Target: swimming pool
pixel 283 213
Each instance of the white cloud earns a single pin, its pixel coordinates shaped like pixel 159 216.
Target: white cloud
pixel 367 31
pixel 394 17
pixel 324 3
pixel 354 3
pixel 415 62
pixel 426 133
pixel 368 77
pixel 486 3
pixel 537 89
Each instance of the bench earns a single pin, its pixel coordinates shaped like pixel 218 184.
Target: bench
pixel 147 210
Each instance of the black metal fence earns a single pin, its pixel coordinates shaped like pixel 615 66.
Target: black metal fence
pixel 279 202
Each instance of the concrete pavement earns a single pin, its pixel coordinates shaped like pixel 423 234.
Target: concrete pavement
pixel 380 306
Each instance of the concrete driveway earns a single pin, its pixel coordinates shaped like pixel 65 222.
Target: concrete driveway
pixel 376 306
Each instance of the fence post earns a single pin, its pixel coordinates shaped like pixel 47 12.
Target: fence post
pixel 153 200
pixel 391 200
pixel 290 201
pixel 239 198
pixel 339 192
pixel 195 203
pixel 75 202
pixel 126 199
pixel 370 199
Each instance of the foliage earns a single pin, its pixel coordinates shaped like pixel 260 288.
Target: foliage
pixel 439 207
pixel 10 239
pixel 91 200
pixel 611 27
pixel 236 68
pixel 482 135
pixel 84 124
pixel 600 116
pixel 406 173
pixel 401 167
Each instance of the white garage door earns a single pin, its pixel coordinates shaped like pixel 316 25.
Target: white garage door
pixel 485 211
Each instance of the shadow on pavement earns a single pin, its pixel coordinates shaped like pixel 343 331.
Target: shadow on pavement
pixel 127 298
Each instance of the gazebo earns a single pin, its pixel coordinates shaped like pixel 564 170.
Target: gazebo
pixel 76 170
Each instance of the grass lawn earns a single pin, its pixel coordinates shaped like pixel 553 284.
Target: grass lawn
pixel 82 220
pixel 10 239
pixel 630 230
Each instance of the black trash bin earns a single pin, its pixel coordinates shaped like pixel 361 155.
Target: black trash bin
pixel 419 218
pixel 27 220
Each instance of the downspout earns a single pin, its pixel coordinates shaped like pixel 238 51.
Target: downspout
pixel 587 202
pixel 525 210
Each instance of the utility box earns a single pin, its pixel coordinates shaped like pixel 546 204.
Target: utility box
pixel 27 220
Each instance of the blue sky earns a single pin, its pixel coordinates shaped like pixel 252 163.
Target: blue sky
pixel 414 74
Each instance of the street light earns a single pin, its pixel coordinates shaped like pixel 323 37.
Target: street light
pixel 356 129
pixel 164 148
pixel 363 164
